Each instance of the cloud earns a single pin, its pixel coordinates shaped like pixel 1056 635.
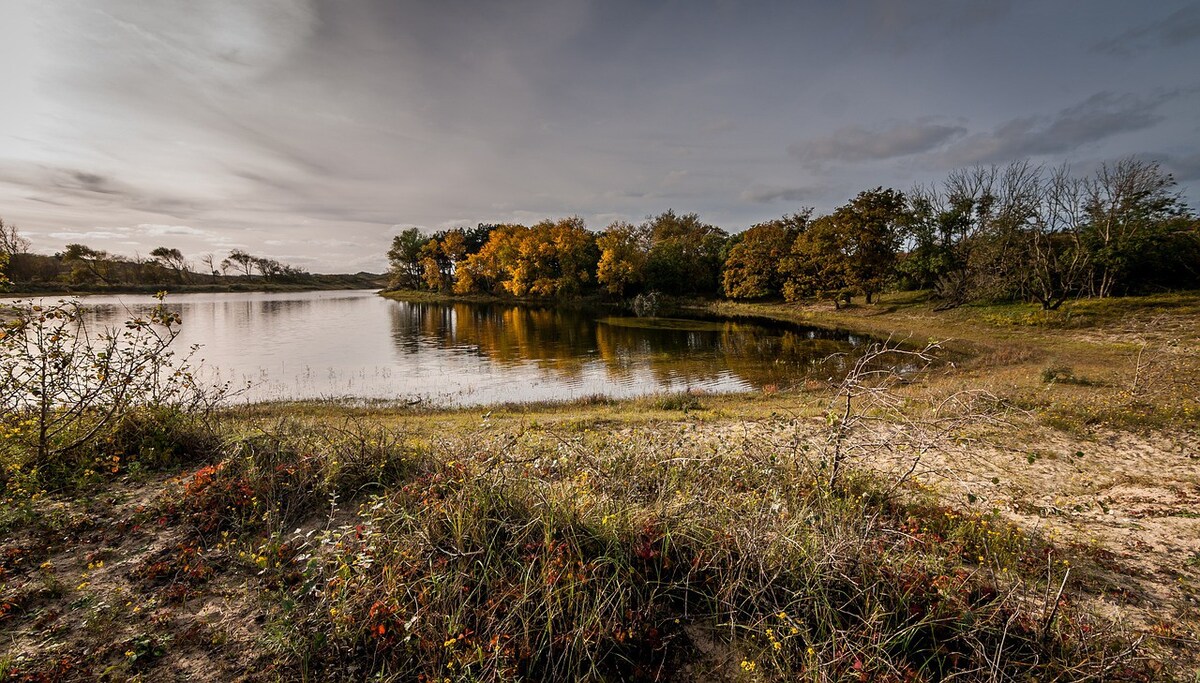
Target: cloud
pixel 763 195
pixel 1178 28
pixel 75 236
pixel 1100 116
pixel 855 143
pixel 1185 168
pixel 158 230
pixel 88 182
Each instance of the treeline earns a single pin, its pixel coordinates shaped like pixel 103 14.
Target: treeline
pixel 1019 232
pixel 79 265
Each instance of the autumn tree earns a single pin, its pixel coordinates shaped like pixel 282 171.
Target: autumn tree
pixel 753 264
pixel 440 256
pixel 553 258
pixel 817 264
pixel 624 251
pixel 488 269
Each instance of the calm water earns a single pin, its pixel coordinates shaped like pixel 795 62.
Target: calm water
pixel 358 345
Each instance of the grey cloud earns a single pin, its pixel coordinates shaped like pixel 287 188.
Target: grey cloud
pixel 72 235
pixel 1100 116
pixel 1178 28
pixel 89 182
pixel 855 143
pixel 159 230
pixel 1185 168
pixel 69 187
pixel 764 195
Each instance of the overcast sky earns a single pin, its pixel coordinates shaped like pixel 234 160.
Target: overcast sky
pixel 313 131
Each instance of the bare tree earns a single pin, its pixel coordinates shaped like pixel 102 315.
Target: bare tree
pixel 11 242
pixel 209 265
pixel 1057 263
pixel 868 416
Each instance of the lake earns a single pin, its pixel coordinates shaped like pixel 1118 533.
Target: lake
pixel 357 345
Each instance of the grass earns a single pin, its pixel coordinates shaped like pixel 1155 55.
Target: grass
pixel 561 555
pixel 670 537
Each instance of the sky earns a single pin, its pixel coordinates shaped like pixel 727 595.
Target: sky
pixel 313 131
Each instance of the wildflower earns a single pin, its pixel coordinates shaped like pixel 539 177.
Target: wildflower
pixel 748 665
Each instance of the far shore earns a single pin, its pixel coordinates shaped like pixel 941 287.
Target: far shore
pixel 20 290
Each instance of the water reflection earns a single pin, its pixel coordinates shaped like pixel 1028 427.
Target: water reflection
pixel 358 345
pixel 566 343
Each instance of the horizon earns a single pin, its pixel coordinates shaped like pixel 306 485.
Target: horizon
pixel 314 131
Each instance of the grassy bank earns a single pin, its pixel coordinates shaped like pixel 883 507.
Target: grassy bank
pixel 1039 531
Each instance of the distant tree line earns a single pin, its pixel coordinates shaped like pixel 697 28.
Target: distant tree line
pixel 79 265
pixel 1015 232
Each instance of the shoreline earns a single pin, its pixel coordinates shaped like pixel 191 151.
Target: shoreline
pixel 18 292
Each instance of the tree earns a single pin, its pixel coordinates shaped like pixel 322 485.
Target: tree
pixel 623 253
pixel 88 261
pixel 968 239
pixel 269 268
pixel 209 265
pixel 574 254
pixel 931 257
pixel 405 259
pixel 752 266
pixel 11 242
pixel 171 259
pixel 1132 208
pixel 489 269
pixel 871 224
pixel 685 254
pixel 1056 266
pixel 241 260
pixel 817 263
pixel 553 258
pixel 474 238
